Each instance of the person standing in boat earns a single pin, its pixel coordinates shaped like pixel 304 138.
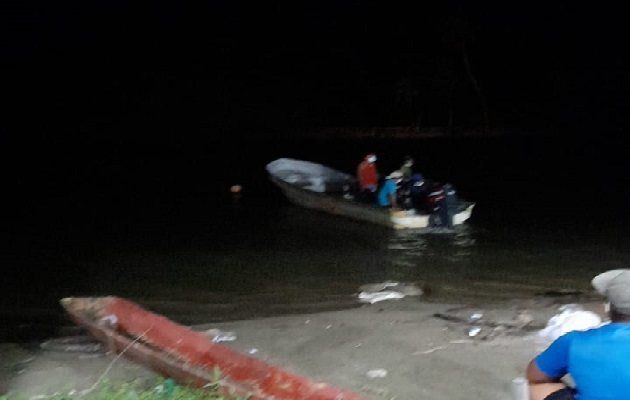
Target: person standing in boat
pixel 387 194
pixel 367 177
pixel 405 168
pixel 404 192
pixel 417 192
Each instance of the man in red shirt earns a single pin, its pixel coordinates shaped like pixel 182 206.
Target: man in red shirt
pixel 367 176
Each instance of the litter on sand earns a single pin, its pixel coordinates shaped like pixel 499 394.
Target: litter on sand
pixel 377 373
pixel 379 296
pixel 375 292
pixel 571 318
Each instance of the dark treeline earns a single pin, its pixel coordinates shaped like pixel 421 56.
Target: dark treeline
pixel 229 67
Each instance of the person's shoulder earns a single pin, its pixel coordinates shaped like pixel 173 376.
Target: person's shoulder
pixel 602 330
pixel 612 327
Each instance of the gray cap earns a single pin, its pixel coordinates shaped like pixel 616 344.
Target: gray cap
pixel 615 285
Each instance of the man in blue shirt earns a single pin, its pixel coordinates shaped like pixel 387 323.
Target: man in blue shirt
pixel 387 191
pixel 597 359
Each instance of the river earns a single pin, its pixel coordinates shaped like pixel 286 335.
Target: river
pixel 156 222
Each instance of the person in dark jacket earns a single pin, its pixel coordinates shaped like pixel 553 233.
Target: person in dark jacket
pixel 416 190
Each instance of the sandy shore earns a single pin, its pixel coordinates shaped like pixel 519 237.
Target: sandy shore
pixel 424 350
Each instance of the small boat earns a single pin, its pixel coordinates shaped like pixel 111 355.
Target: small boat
pixel 322 188
pixel 189 357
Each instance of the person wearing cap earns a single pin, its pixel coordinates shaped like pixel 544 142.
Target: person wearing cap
pixel 367 174
pixel 597 359
pixel 367 177
pixel 388 189
pixel 418 192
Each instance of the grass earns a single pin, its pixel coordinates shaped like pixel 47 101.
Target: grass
pixel 165 389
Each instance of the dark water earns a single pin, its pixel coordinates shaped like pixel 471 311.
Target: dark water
pixel 156 222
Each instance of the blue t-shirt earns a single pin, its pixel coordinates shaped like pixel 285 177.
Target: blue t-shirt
pixel 389 186
pixel 597 359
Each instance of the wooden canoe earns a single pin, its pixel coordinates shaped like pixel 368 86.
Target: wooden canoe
pixel 189 357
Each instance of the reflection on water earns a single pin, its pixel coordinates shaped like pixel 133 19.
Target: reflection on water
pixel 444 264
pixel 470 263
pixel 415 242
pixel 410 250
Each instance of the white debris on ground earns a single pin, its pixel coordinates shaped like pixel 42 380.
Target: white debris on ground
pixel 218 336
pixel 375 292
pixel 379 296
pixel 527 319
pixel 572 317
pixel 377 373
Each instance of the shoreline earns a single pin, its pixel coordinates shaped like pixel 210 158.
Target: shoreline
pixel 425 349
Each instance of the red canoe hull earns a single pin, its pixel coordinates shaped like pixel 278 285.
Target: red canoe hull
pixel 187 356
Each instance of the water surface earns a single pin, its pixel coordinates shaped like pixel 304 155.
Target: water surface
pixel 157 223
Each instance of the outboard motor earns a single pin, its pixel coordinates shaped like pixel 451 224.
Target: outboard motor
pixel 436 205
pixel 434 197
pixel 451 202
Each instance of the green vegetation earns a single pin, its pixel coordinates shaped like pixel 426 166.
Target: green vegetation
pixel 165 389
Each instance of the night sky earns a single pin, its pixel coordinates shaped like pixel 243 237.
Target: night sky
pixel 219 68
